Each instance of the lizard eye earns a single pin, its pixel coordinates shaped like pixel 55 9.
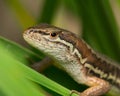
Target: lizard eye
pixel 53 34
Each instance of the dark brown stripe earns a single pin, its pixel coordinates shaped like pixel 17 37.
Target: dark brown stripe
pixel 38 31
pixel 105 67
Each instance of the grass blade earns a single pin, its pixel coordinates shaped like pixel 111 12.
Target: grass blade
pixel 15 76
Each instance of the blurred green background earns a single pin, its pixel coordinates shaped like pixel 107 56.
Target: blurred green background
pixel 96 21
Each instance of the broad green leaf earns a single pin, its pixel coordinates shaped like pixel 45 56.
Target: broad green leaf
pixel 18 79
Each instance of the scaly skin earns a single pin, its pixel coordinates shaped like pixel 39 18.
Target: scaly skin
pixel 75 57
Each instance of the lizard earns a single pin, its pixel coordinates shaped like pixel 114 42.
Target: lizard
pixel 75 57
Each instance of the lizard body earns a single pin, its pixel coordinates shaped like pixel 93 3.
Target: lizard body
pixel 75 57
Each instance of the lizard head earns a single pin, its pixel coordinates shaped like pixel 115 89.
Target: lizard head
pixel 50 39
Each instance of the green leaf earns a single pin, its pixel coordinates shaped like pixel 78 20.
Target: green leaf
pixel 16 77
pixel 12 80
pixel 100 29
pixel 49 9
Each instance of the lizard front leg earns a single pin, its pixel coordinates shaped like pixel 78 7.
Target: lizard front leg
pixel 42 65
pixel 97 87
